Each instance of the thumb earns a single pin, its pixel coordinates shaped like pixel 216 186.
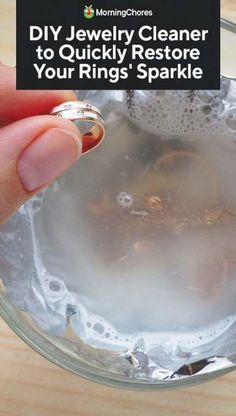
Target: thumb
pixel 33 152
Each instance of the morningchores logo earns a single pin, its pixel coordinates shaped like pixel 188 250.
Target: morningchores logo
pixel 90 12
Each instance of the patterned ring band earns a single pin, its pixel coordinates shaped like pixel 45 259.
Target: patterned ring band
pixel 86 114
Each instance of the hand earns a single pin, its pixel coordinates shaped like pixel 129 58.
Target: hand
pixel 34 148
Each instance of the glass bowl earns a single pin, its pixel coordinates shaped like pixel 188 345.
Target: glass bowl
pixel 38 305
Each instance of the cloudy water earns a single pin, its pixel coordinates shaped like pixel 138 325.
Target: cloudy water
pixel 143 230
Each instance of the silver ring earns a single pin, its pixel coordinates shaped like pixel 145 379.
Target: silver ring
pixel 84 113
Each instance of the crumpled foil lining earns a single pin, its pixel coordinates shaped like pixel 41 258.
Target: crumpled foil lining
pixel 142 362
pixel 55 314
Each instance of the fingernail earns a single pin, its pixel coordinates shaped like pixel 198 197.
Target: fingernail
pixel 48 157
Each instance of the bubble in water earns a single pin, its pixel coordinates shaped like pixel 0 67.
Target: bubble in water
pixel 37 205
pixel 205 96
pixel 125 200
pixel 98 328
pixel 231 121
pixel 54 286
pixel 206 109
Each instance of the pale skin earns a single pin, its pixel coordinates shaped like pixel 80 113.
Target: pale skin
pixel 35 148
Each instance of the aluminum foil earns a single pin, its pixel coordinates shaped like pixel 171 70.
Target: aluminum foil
pixel 150 369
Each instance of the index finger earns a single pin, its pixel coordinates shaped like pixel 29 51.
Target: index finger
pixel 15 105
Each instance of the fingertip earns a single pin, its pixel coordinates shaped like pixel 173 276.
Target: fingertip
pixel 15 137
pixel 48 157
